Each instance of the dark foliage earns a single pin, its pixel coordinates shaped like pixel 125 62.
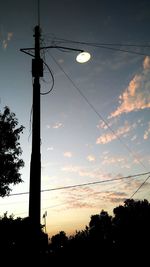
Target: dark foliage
pixel 122 239
pixel 107 240
pixel 17 243
pixel 10 151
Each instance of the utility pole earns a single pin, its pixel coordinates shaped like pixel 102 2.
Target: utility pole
pixel 35 167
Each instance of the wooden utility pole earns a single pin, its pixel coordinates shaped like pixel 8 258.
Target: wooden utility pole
pixel 35 167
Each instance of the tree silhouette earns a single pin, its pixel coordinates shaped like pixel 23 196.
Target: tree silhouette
pixel 131 233
pixel 59 240
pixel 100 235
pixel 117 239
pixel 10 151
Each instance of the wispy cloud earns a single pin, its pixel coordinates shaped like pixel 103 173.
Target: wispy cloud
pixel 102 196
pixel 50 148
pixel 95 173
pixel 136 96
pixel 88 197
pixel 6 40
pixel 68 154
pixel 134 138
pixel 107 160
pixel 147 132
pixel 108 137
pixel 56 125
pixel 91 158
pixel 116 197
pixel 102 125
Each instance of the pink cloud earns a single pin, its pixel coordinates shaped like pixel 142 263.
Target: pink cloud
pixel 91 158
pixel 108 137
pixel 68 154
pixel 7 39
pixel 56 125
pixel 136 96
pixel 146 63
pixel 113 160
pixel 102 125
pixel 147 132
pixel 9 36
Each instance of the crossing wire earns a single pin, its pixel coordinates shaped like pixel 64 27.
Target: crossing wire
pixel 84 184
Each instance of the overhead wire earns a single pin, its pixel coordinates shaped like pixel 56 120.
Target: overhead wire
pixel 102 45
pixel 123 50
pixel 109 46
pixel 98 114
pixel 84 184
pixel 63 40
pixel 53 81
pixel 140 187
pixel 93 183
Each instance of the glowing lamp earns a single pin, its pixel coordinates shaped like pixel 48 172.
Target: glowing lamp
pixel 83 57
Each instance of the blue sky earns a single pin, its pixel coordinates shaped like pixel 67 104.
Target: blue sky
pixel 95 125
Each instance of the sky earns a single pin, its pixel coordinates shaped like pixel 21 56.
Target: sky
pixel 95 123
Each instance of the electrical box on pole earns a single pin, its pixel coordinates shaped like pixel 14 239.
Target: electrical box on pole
pixel 37 67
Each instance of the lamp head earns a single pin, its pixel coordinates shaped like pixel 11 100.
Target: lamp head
pixel 83 57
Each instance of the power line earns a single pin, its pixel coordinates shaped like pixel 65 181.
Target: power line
pixel 108 46
pixel 98 114
pixel 140 186
pixel 53 81
pixel 63 40
pixel 123 50
pixel 84 184
pixel 57 205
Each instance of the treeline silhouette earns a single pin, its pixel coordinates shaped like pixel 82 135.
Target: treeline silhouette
pixel 121 239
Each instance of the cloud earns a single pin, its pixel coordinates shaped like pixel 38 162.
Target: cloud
pixel 87 197
pixel 50 148
pixel 56 125
pixel 77 204
pixel 7 39
pixel 146 63
pixel 134 137
pixel 113 160
pixel 4 44
pixel 60 61
pixel 101 196
pixel 85 172
pixel 136 96
pixel 116 197
pixel 91 158
pixel 9 36
pixel 147 132
pixel 102 125
pixel 68 154
pixel 108 137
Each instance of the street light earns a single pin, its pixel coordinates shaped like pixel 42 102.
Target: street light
pixel 35 166
pixel 83 57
